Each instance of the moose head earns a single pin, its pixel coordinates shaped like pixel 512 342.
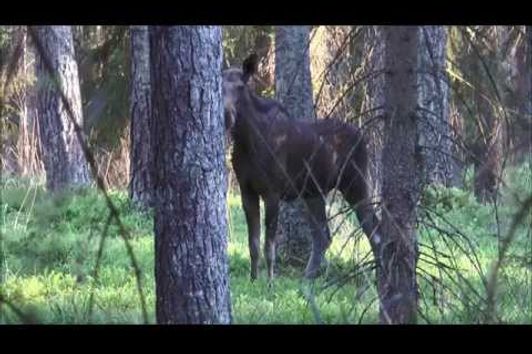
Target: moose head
pixel 235 82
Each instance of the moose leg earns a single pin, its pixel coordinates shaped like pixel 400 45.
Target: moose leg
pixel 272 214
pixel 321 236
pixel 357 196
pixel 250 203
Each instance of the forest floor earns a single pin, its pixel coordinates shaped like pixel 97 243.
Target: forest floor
pixel 49 251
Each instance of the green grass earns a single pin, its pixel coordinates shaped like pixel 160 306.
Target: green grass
pixel 49 246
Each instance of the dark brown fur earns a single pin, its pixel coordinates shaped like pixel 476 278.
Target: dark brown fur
pixel 278 158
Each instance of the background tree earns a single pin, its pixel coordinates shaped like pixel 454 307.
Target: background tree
pixel 435 134
pixel 515 87
pixel 28 145
pixel 529 65
pixel 18 100
pixel 191 263
pixel 478 81
pixel 330 63
pixel 12 40
pixel 373 105
pixel 488 148
pixel 293 88
pixel 63 157
pixel 397 253
pixel 20 155
pixel 103 55
pixel 240 41
pixel 140 185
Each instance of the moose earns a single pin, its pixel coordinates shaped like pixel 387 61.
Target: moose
pixel 278 158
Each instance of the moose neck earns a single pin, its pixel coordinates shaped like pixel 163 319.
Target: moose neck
pixel 248 121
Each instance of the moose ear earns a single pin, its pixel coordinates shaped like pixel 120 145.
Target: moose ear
pixel 250 66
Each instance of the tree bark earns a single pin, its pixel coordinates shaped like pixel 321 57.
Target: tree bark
pixel 488 151
pixel 330 69
pixel 191 263
pixel 264 80
pixel 293 88
pixel 140 185
pixel 373 106
pixel 63 158
pixel 529 77
pixel 518 69
pixel 15 97
pixel 397 254
pixel 435 133
pixel 529 61
pixel 488 148
pixel 29 161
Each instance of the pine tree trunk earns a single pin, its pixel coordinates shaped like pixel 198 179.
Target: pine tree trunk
pixel 397 253
pixel 330 69
pixel 529 61
pixel 23 137
pixel 435 134
pixel 62 155
pixel 487 151
pixel 140 185
pixel 29 163
pixel 508 85
pixel 373 106
pixel 293 88
pixel 191 263
pixel 489 146
pixel 265 50
pixel 519 69
pixel 17 98
pixel 32 109
pixel 487 172
pixel 529 101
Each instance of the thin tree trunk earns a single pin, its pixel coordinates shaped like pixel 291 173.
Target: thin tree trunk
pixel 140 185
pixel 487 152
pixel 520 70
pixel 11 59
pixel 16 97
pixel 63 157
pixel 24 139
pixel 435 134
pixel 29 163
pixel 490 126
pixel 293 88
pixel 397 254
pixel 329 50
pixel 32 109
pixel 265 50
pixel 508 85
pixel 529 60
pixel 191 263
pixel 373 106
pixel 529 75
